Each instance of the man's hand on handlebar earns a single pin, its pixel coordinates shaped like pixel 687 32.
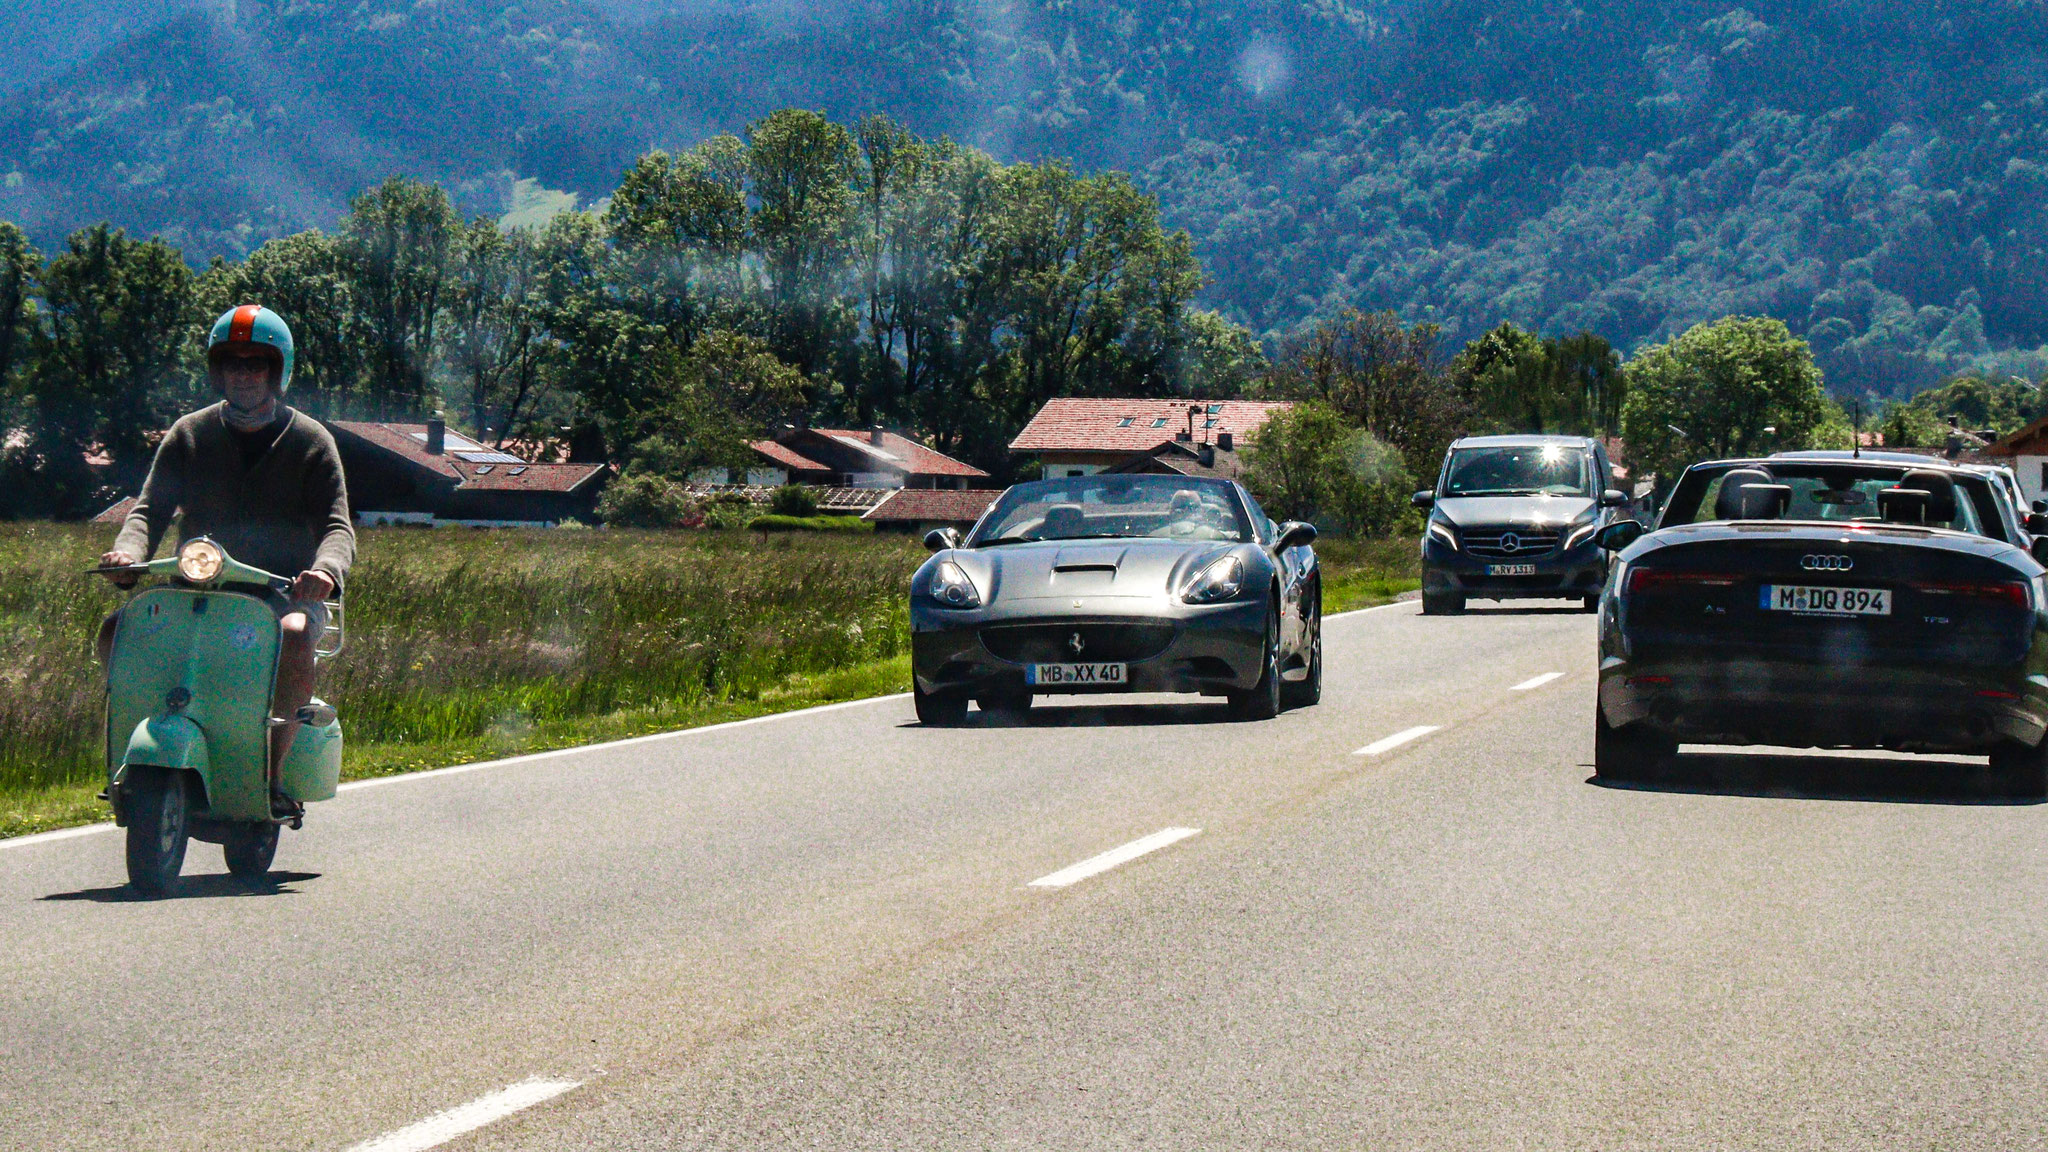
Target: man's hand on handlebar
pixel 312 586
pixel 119 559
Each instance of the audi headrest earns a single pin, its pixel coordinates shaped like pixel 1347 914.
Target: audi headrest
pixel 1940 489
pixel 1063 520
pixel 1750 494
pixel 1904 506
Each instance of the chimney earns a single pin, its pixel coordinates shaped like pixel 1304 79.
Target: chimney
pixel 1226 441
pixel 785 432
pixel 875 435
pixel 437 435
pixel 1207 455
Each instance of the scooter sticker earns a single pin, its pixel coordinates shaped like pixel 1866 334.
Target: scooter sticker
pixel 244 637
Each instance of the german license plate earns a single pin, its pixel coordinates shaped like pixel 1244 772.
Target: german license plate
pixel 1810 600
pixel 1510 569
pixel 1050 675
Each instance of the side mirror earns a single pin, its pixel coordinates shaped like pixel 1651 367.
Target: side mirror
pixel 2040 549
pixel 940 539
pixel 1294 534
pixel 2037 523
pixel 1422 500
pixel 2041 505
pixel 1619 535
pixel 1613 498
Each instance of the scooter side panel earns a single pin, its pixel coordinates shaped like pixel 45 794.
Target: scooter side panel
pixel 221 648
pixel 312 769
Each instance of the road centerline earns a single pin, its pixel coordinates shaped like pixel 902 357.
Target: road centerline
pixel 1536 681
pixel 1095 865
pixel 442 1127
pixel 1389 743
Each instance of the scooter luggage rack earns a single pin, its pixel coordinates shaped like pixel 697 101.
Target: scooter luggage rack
pixel 334 636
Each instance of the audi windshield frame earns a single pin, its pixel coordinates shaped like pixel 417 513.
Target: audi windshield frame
pixel 1822 601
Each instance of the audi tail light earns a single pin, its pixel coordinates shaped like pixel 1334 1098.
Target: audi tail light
pixel 2011 593
pixel 1660 579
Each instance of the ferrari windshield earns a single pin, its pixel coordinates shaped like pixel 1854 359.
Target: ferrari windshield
pixel 1519 470
pixel 1112 506
pixel 1839 493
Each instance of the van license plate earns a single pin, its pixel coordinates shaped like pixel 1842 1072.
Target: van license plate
pixel 1049 675
pixel 1809 600
pixel 1510 569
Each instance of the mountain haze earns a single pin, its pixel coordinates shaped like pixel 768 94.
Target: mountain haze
pixel 1873 172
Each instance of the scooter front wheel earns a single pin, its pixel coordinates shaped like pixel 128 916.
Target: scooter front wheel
pixel 154 799
pixel 249 848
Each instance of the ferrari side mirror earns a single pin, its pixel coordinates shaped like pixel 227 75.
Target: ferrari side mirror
pixel 1294 534
pixel 1619 535
pixel 1422 500
pixel 2037 523
pixel 940 539
pixel 1613 498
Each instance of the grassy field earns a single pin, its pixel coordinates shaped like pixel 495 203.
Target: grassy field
pixel 472 645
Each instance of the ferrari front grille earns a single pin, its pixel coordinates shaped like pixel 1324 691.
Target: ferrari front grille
pixel 1076 643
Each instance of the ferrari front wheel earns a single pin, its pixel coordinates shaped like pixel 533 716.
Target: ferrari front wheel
pixel 938 711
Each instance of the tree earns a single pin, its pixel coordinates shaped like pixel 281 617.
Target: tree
pixel 494 336
pixel 1384 377
pixel 1739 386
pixel 799 165
pixel 398 248
pixel 678 228
pixel 20 264
pixel 1522 383
pixel 726 391
pixel 1310 463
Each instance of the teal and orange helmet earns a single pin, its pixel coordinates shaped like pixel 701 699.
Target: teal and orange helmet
pixel 253 324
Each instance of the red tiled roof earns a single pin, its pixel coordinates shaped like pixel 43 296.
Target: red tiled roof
pixel 524 477
pixel 901 451
pixel 471 465
pixel 793 461
pixel 1086 424
pixel 118 514
pixel 918 504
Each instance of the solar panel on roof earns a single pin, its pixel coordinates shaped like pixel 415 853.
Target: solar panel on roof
pixel 486 457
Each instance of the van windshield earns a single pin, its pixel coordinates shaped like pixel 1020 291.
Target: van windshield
pixel 1519 470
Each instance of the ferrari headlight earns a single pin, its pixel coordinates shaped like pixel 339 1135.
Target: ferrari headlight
pixel 951 587
pixel 1443 534
pixel 200 561
pixel 1222 580
pixel 1580 535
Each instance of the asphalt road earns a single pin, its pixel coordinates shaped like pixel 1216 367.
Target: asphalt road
pixel 820 932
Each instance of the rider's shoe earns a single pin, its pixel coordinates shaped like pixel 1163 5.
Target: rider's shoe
pixel 283 807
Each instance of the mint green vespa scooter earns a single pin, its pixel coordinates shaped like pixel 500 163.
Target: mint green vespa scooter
pixel 189 685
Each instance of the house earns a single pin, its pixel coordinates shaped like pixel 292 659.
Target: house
pixel 843 458
pixel 426 474
pixel 919 510
pixel 1188 458
pixel 2025 451
pixel 1081 436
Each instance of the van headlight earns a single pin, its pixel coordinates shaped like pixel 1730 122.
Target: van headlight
pixel 1443 534
pixel 951 588
pixel 200 561
pixel 1222 580
pixel 1580 535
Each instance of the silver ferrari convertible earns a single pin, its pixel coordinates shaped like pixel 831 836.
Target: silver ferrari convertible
pixel 1118 583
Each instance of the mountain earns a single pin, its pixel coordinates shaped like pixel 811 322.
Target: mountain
pixel 1874 172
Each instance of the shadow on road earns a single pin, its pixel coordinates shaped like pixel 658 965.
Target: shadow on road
pixel 1900 780
pixel 196 888
pixel 1514 609
pixel 1098 716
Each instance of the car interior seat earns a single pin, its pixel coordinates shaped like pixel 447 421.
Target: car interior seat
pixel 1063 520
pixel 1922 496
pixel 1751 494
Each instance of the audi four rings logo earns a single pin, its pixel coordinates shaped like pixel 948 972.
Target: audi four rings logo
pixel 1826 563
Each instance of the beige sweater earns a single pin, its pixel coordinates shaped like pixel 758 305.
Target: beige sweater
pixel 288 513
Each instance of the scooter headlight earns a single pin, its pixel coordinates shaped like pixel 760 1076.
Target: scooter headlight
pixel 200 561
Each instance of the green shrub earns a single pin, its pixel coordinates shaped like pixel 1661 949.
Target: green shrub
pixel 644 500
pixel 794 500
pixel 774 523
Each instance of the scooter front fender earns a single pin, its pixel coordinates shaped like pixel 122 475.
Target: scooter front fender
pixel 169 740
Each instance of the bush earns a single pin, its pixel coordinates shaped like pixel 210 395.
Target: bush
pixel 1310 464
pixel 644 500
pixel 794 500
pixel 774 523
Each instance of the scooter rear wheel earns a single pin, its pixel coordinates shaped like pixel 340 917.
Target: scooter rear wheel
pixel 154 800
pixel 249 849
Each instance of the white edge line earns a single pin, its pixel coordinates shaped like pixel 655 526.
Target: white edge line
pixel 458 769
pixel 1389 743
pixel 1536 681
pixel 1074 874
pixel 442 1127
pixel 1374 608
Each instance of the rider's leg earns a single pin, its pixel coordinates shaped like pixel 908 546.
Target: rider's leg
pixel 294 685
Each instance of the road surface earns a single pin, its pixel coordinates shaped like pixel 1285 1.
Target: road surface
pixel 1402 919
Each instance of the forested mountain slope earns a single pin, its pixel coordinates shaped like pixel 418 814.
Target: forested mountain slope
pixel 1874 172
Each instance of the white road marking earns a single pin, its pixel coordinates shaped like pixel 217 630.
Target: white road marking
pixel 1388 743
pixel 459 769
pixel 1114 857
pixel 1536 681
pixel 442 1127
pixel 1374 608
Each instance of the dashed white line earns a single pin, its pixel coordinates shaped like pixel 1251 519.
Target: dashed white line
pixel 1536 681
pixel 442 1127
pixel 1115 856
pixel 1389 743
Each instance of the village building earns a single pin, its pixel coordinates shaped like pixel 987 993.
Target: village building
pixel 2025 451
pixel 426 474
pixel 920 510
pixel 844 458
pixel 1081 436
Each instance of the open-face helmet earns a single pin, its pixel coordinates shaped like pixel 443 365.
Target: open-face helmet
pixel 253 325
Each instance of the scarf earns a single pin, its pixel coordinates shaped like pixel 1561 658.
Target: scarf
pixel 250 420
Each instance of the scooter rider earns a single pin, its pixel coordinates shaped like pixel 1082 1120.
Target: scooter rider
pixel 265 482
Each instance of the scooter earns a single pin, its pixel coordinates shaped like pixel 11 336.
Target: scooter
pixel 189 684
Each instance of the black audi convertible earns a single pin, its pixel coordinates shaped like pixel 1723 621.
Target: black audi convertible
pixel 1827 601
